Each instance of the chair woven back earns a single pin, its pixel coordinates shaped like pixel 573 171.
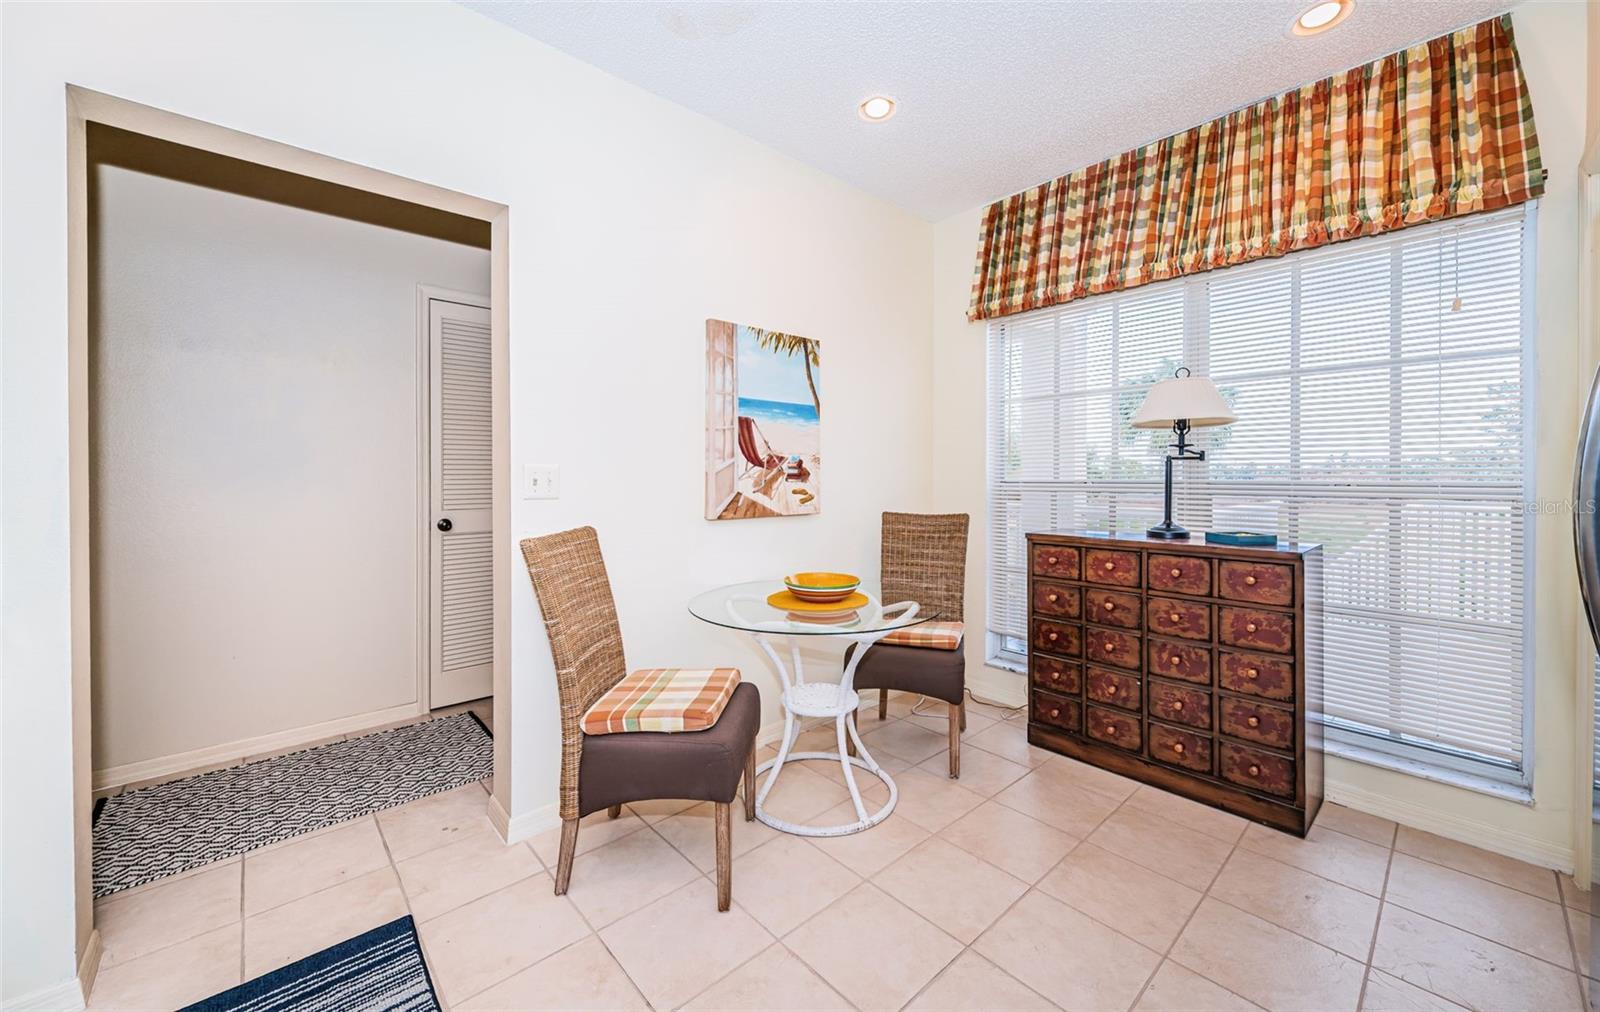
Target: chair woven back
pixel 569 576
pixel 925 560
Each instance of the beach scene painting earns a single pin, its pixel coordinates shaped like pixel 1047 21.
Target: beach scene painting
pixel 763 423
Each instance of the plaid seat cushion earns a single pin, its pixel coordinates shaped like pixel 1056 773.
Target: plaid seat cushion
pixel 663 699
pixel 932 635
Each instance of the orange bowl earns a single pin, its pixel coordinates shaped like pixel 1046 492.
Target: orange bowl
pixel 820 587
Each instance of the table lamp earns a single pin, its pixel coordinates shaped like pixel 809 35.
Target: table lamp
pixel 1184 402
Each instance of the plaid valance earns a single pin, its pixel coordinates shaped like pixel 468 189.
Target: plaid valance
pixel 1440 129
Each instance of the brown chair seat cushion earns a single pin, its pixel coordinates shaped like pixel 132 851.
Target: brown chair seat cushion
pixel 646 765
pixel 938 674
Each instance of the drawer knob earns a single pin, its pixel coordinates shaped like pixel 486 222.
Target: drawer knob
pixel 1110 566
pixel 1055 713
pixel 1254 770
pixel 1177 747
pixel 1251 673
pixel 1177 705
pixel 1052 560
pixel 1052 598
pixel 1111 606
pixel 1253 721
pixel 1111 647
pixel 1249 581
pixel 1053 636
pixel 1055 676
pixel 1174 660
pixel 1111 729
pixel 1249 627
pixel 1175 617
pixel 1111 690
pixel 1176 572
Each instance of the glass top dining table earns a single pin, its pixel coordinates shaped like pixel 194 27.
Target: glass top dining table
pixel 744 606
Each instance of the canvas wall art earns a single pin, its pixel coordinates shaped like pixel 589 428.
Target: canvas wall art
pixel 763 423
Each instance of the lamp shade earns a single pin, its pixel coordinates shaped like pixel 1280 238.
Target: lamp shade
pixel 1186 398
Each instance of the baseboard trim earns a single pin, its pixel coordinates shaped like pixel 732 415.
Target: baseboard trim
pixel 1475 832
pixel 212 757
pixel 89 965
pixel 67 996
pixel 525 826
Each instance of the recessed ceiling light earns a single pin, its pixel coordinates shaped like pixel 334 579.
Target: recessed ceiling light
pixel 1323 16
pixel 877 108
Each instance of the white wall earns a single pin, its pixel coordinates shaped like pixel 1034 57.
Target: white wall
pixel 632 221
pixel 1551 39
pixel 255 472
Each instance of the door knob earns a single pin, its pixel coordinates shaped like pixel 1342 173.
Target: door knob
pixel 444 524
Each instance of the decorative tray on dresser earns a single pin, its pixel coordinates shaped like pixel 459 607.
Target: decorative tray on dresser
pixel 1195 668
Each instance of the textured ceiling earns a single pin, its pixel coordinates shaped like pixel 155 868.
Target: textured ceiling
pixel 994 97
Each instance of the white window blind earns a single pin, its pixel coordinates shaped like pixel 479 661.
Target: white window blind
pixel 1381 387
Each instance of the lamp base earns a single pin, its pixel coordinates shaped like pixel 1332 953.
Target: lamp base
pixel 1168 530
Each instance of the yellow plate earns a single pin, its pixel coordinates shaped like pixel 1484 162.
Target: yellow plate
pixel 785 601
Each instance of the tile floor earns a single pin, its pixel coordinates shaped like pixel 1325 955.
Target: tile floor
pixel 1032 883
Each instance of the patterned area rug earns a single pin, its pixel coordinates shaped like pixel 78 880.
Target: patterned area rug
pixel 382 969
pixel 147 834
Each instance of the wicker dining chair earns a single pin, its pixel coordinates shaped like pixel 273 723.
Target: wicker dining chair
pixel 606 771
pixel 924 557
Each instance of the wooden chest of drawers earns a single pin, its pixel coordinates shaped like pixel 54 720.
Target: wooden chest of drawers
pixel 1196 668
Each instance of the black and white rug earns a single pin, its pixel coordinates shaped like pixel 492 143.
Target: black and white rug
pixel 147 834
pixel 381 970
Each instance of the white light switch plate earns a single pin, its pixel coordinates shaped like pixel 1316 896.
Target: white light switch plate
pixel 541 482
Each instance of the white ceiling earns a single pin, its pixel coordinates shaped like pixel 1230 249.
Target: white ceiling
pixel 994 96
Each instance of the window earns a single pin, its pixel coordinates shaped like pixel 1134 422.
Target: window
pixel 1382 388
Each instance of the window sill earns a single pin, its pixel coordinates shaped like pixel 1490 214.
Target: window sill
pixel 1519 794
pixel 1001 662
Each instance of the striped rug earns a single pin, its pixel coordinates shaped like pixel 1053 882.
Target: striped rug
pixel 380 970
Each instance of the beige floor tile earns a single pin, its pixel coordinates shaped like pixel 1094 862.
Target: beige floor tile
pixel 1009 840
pixel 173 977
pixel 677 945
pixel 1466 969
pixel 420 826
pixel 581 976
pixel 932 802
pixel 123 894
pixel 1178 853
pixel 476 946
pixel 1189 814
pixel 775 980
pixel 621 877
pixel 873 791
pixel 868 852
pixel 1360 825
pixel 972 982
pixel 476 864
pixel 900 705
pixel 904 739
pixel 995 710
pixel 934 719
pixel 693 832
pixel 1584 937
pixel 949 887
pixel 1386 993
pixel 1147 907
pixel 845 944
pixel 131 926
pixel 800 795
pixel 1344 859
pixel 1324 911
pixel 1266 964
pixel 653 812
pixel 1009 739
pixel 1176 988
pixel 1572 896
pixel 1507 871
pixel 1501 914
pixel 787 881
pixel 981 772
pixel 1068 808
pixel 276 876
pixel 1064 770
pixel 283 934
pixel 594 830
pixel 1066 957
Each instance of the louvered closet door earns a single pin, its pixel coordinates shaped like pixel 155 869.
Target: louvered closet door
pixel 462 645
